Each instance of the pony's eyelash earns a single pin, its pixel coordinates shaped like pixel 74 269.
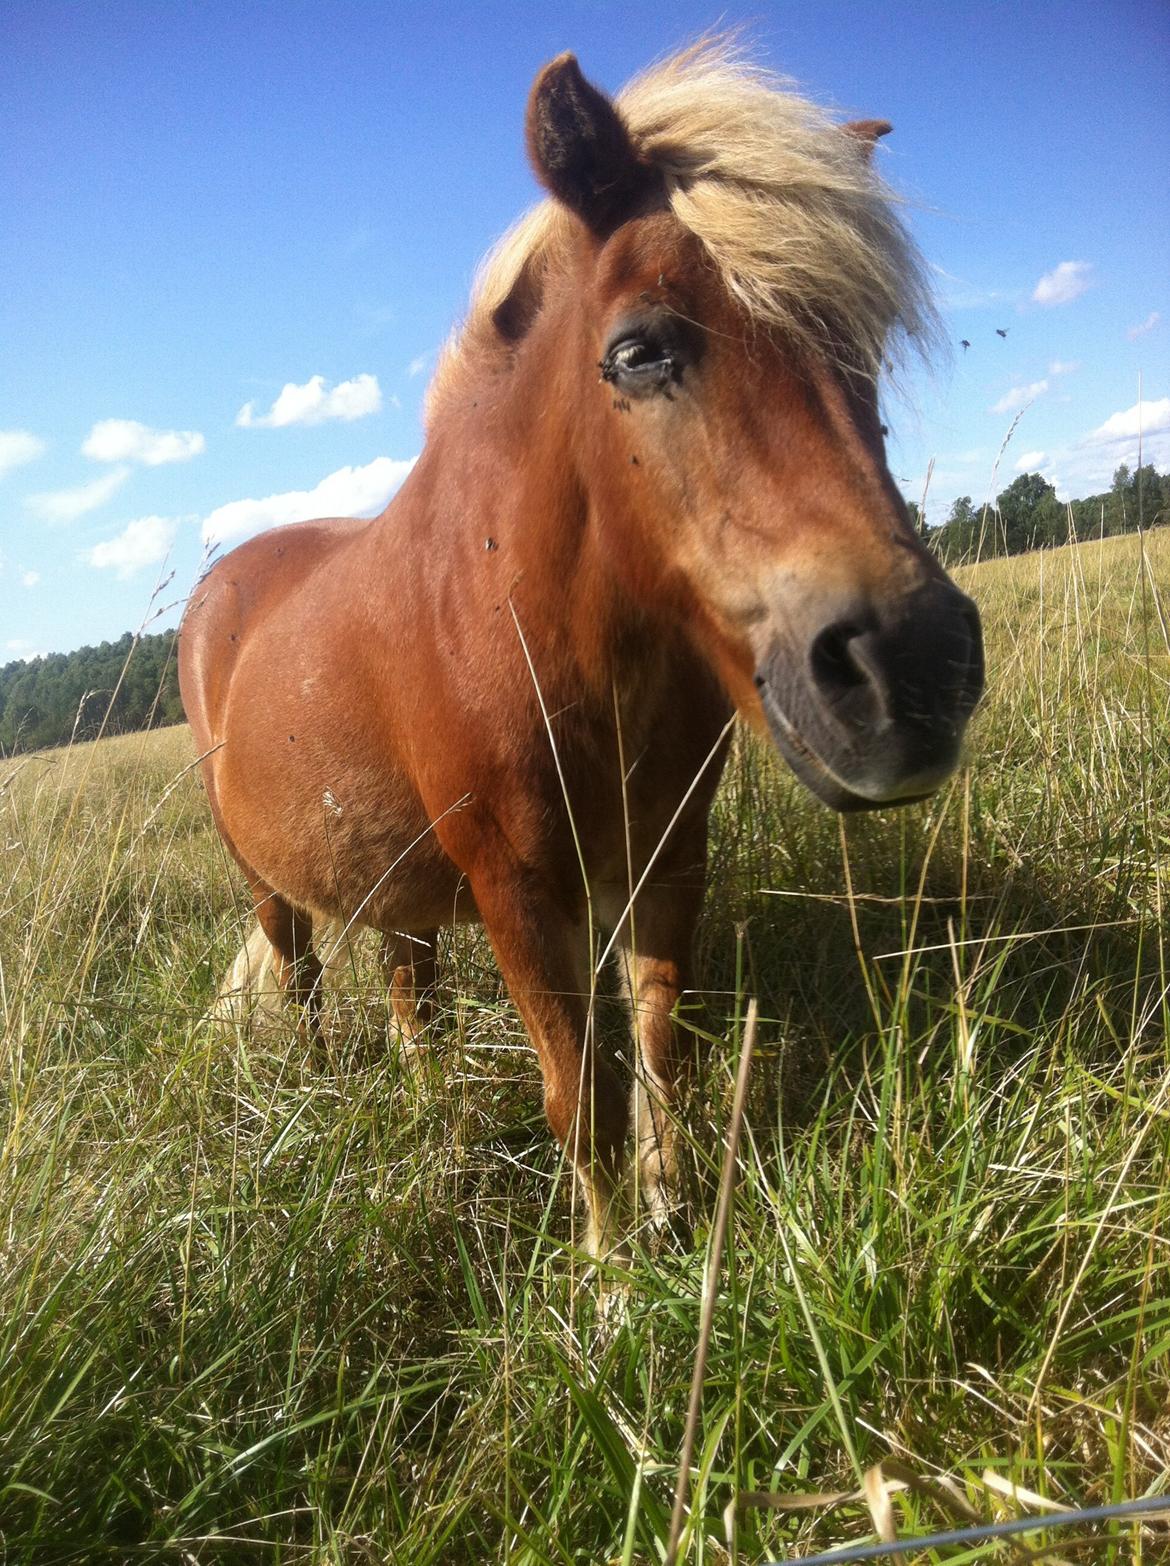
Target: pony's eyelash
pixel 660 366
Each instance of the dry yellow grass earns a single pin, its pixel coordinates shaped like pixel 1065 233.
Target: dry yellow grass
pixel 255 1308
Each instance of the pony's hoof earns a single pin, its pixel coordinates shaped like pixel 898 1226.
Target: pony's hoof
pixel 669 1227
pixel 411 1041
pixel 609 1274
pixel 613 1306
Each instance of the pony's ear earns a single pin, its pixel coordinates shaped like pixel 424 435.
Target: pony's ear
pixel 580 148
pixel 867 133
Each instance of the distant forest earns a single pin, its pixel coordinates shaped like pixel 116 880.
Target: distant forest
pixel 1027 515
pixel 77 695
pixel 50 701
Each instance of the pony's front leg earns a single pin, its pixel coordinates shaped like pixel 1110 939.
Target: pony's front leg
pixel 545 961
pixel 408 962
pixel 657 945
pixel 295 965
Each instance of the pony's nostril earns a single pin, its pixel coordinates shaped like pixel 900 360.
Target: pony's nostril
pixel 835 668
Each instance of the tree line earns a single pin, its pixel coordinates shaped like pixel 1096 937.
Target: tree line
pixel 1027 515
pixel 94 690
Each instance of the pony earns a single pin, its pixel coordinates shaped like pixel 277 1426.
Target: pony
pixel 653 494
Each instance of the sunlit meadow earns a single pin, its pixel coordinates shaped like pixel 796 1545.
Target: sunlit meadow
pixel 257 1307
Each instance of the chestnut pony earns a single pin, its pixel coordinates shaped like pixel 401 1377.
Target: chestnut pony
pixel 653 493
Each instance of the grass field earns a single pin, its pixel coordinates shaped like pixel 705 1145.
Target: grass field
pixel 253 1309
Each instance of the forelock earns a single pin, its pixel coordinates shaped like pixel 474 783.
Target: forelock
pixel 802 231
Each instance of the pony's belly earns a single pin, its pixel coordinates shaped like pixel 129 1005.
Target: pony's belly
pixel 352 844
pixel 398 883
pixel 386 871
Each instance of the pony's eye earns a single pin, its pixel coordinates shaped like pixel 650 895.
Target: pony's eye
pixel 636 355
pixel 638 365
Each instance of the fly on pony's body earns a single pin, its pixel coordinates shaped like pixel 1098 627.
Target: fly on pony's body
pixel 653 492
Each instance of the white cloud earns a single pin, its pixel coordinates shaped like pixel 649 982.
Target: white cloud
pixel 29 578
pixel 313 404
pixel 1089 468
pixel 19 648
pixel 1083 466
pixel 1064 366
pixel 1064 283
pixel 66 505
pixel 125 440
pixel 349 492
pixel 143 542
pixel 1145 418
pixel 1147 325
pixel 418 364
pixel 1086 466
pixel 18 447
pixel 1018 396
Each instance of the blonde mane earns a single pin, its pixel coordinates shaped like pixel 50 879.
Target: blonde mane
pixel 801 229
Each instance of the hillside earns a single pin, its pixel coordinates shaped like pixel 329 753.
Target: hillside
pixel 112 688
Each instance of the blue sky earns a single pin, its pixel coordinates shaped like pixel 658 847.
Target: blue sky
pixel 227 206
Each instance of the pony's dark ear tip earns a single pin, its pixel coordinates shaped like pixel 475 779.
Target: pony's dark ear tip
pixel 867 133
pixel 566 61
pixel 551 79
pixel 579 146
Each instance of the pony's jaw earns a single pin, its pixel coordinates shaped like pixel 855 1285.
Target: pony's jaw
pixel 822 781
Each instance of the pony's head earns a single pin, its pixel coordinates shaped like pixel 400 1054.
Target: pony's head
pixel 713 290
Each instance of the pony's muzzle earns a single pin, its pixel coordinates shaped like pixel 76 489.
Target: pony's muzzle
pixel 873 712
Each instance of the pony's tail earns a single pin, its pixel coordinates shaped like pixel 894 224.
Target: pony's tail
pixel 250 985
